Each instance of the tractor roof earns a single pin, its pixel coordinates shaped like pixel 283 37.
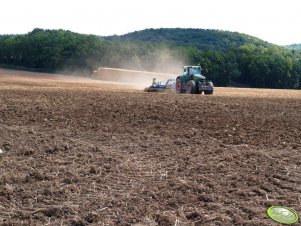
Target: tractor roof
pixel 192 66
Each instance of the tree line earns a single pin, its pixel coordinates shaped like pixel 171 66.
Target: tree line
pixel 256 66
pixel 51 50
pixel 224 56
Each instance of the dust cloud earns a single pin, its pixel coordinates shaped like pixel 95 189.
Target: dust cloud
pixel 133 70
pixel 135 77
pixel 140 71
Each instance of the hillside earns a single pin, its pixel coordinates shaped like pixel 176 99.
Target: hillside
pixel 201 38
pixel 225 56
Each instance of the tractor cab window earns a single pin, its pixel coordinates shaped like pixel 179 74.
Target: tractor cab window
pixel 195 70
pixel 185 71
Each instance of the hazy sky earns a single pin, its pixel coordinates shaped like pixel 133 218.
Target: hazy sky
pixel 276 21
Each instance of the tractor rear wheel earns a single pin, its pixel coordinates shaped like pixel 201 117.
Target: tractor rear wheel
pixel 190 87
pixel 178 86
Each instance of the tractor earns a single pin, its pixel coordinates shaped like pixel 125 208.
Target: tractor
pixel 191 81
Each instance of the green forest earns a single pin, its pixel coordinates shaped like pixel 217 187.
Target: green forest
pixel 225 56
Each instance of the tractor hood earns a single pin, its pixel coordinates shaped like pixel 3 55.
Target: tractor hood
pixel 201 77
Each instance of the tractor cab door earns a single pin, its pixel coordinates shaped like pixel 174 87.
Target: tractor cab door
pixel 190 74
pixel 186 73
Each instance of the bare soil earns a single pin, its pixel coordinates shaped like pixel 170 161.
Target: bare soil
pixel 81 152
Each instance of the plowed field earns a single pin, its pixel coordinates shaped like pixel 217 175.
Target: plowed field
pixel 80 152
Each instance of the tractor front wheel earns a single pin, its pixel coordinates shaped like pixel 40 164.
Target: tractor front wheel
pixel 178 86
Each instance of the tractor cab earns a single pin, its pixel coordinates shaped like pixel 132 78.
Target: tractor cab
pixel 192 72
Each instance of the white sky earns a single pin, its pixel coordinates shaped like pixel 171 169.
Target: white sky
pixel 276 21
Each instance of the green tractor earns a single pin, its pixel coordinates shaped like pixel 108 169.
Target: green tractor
pixel 193 82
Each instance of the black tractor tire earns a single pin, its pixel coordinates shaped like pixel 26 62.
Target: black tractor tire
pixel 190 87
pixel 208 92
pixel 179 89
